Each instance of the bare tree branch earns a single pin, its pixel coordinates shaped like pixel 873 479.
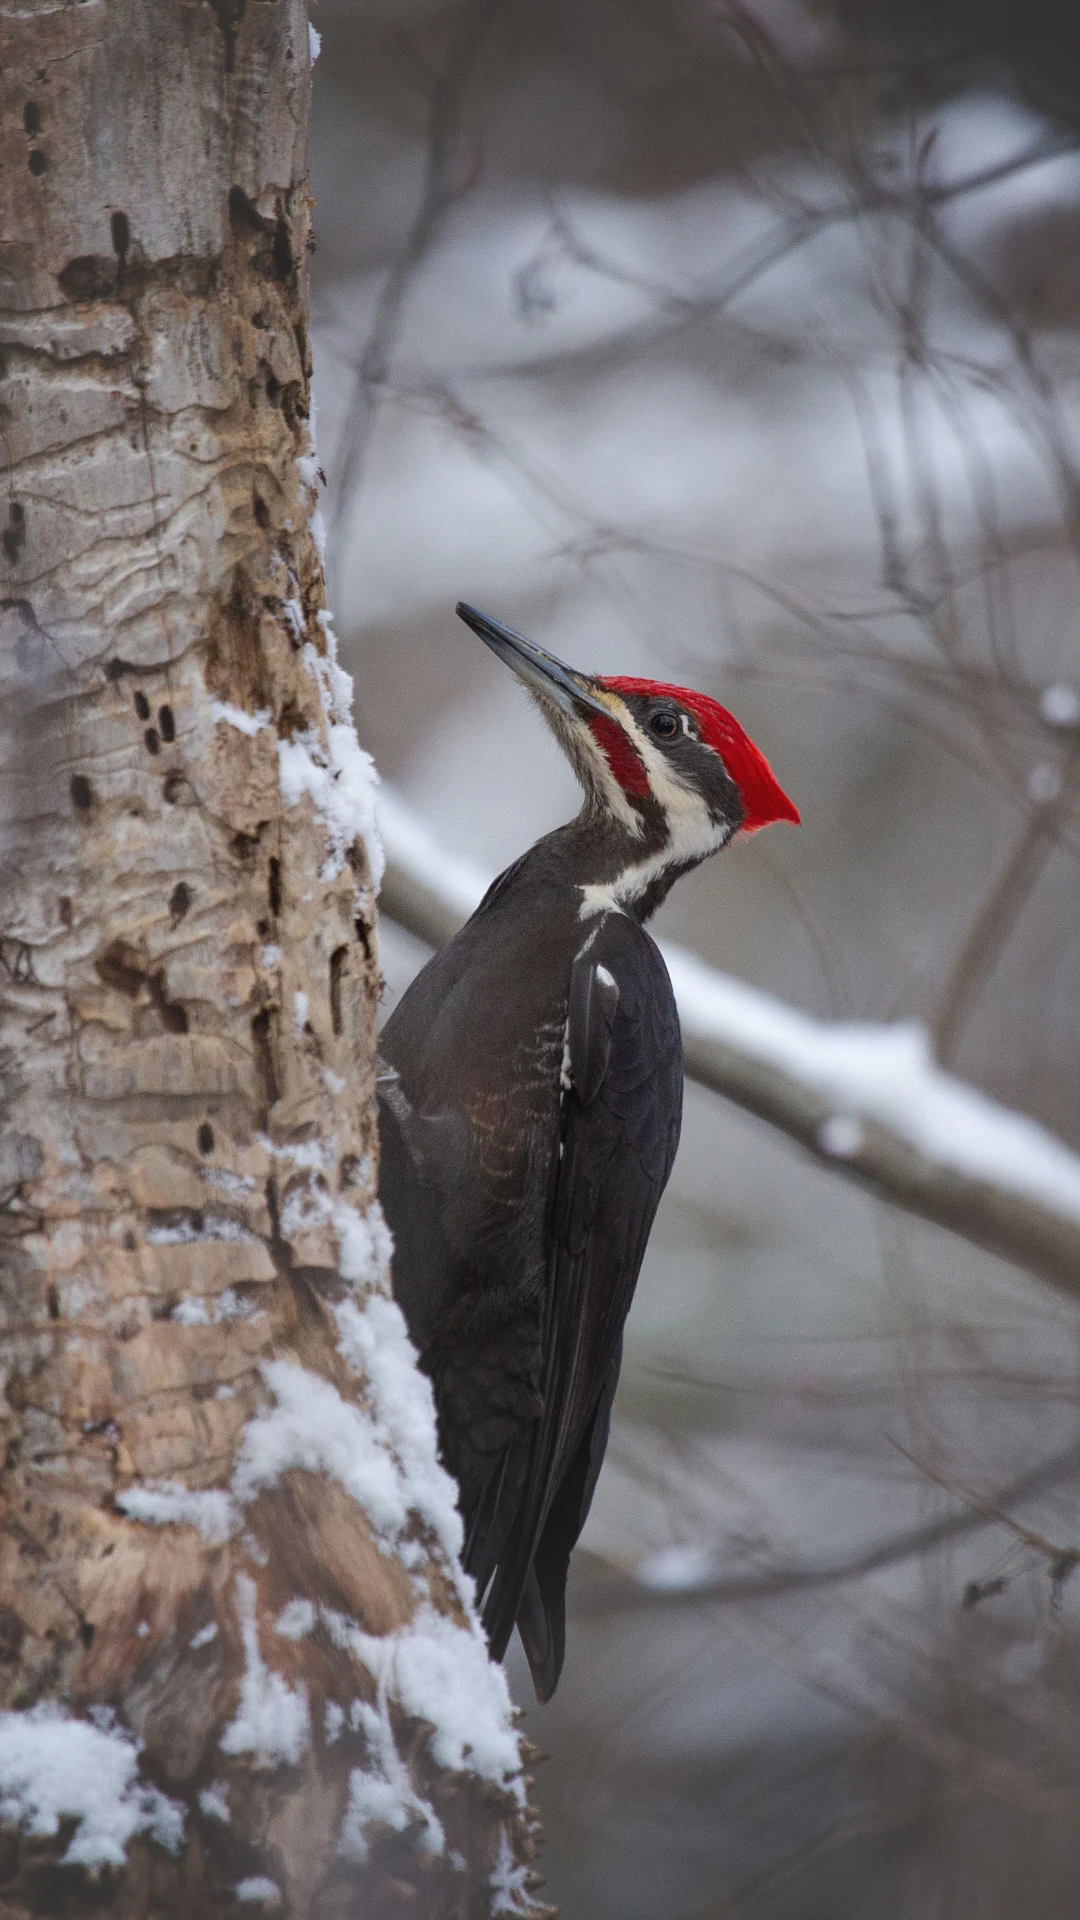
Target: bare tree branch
pixel 755 1580
pixel 1032 1221
pixel 990 929
pixel 441 187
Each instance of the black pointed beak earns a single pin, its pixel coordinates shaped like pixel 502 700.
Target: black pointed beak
pixel 538 668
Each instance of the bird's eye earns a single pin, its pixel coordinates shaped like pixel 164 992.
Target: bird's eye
pixel 665 724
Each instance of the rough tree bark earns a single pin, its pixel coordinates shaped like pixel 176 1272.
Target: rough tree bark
pixel 236 1661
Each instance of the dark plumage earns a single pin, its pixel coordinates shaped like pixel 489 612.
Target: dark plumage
pixel 530 1106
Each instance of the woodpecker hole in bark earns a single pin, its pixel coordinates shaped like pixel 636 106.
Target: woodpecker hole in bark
pixel 264 1058
pixel 121 968
pixel 337 969
pixel 283 254
pixel 173 1017
pixel 229 14
pixel 12 1635
pixel 179 901
pixel 14 536
pixel 243 217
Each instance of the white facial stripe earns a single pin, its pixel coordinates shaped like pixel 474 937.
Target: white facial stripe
pixel 692 832
pixel 673 796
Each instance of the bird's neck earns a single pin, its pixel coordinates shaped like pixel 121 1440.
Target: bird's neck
pixel 614 870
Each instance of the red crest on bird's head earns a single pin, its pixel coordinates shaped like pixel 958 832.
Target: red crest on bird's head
pixel 763 798
pixel 659 760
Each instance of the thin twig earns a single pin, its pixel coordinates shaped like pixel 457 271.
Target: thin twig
pixel 992 925
pixel 441 189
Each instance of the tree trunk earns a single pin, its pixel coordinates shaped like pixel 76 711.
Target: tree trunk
pixel 237 1659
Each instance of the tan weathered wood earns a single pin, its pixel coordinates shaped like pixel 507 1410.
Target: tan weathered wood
pixel 161 910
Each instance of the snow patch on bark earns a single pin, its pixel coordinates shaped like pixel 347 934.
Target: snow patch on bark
pixel 383 1450
pixel 435 1670
pixel 339 780
pixel 338 777
pixel 273 1721
pixel 165 1503
pixel 249 723
pixel 235 1184
pixel 54 1767
pixel 210 1226
pixel 296 1620
pixel 508 1883
pixel 374 1342
pixel 312 1428
pixel 193 1311
pixel 314 1156
pixel 442 1673
pixel 214 1802
pixel 382 1794
pixel 258 1887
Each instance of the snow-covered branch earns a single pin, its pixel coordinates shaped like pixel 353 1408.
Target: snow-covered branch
pixel 868 1101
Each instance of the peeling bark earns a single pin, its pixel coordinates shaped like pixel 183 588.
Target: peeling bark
pixel 188 979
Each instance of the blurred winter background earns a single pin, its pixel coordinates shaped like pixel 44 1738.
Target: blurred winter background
pixel 738 344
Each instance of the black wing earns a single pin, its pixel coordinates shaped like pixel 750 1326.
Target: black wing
pixel 621 1114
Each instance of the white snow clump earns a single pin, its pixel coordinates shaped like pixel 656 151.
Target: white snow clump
pixel 54 1767
pixel 272 1720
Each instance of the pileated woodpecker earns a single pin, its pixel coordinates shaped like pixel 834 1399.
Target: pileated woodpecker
pixel 530 1105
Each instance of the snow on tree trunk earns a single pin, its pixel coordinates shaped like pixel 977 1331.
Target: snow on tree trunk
pixel 237 1660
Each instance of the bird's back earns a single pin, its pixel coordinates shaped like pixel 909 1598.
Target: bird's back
pixel 476 1043
pixel 520 1183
